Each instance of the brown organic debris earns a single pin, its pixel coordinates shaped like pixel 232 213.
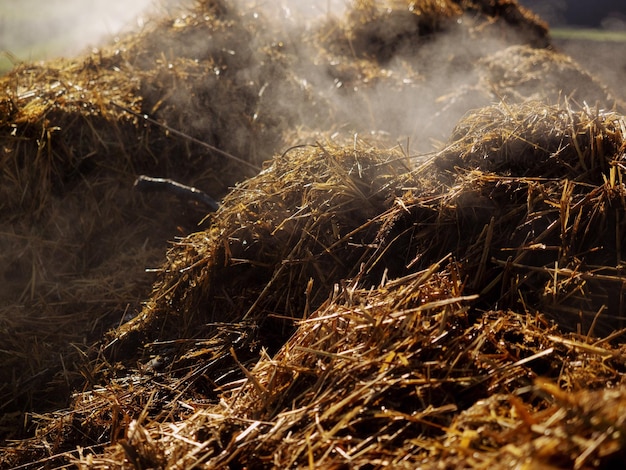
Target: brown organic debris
pixel 350 303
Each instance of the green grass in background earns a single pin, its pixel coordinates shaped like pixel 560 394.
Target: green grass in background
pixel 588 34
pixel 32 52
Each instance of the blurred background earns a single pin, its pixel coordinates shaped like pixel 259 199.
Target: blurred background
pixel 593 32
pixel 606 14
pixel 39 29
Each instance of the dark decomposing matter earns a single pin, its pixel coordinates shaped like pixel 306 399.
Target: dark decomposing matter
pixel 188 137
pixel 456 301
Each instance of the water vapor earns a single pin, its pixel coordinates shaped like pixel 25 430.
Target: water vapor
pixel 33 29
pixel 393 71
pixel 398 71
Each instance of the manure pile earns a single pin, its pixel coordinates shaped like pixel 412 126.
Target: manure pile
pixel 454 301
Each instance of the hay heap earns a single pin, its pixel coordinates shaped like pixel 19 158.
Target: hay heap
pixel 346 306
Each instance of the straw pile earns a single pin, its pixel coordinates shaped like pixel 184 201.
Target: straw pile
pixel 562 250
pixel 275 249
pixel 346 306
pixel 76 239
pixel 405 369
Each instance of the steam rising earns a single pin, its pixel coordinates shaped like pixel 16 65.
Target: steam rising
pixel 253 80
pixel 360 67
pixel 36 29
pixel 390 74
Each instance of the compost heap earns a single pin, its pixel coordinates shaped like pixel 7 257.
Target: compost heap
pixel 350 304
